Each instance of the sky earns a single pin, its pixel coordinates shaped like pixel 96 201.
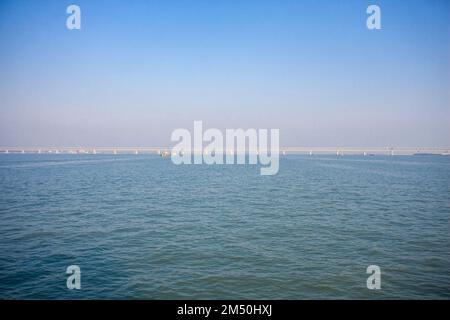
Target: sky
pixel 137 70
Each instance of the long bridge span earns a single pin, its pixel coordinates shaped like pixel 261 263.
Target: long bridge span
pixel 283 150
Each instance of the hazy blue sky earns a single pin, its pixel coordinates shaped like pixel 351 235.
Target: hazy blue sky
pixel 139 69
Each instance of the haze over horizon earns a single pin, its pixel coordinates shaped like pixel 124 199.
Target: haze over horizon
pixel 137 70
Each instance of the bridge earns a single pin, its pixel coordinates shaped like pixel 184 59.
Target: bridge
pixel 283 150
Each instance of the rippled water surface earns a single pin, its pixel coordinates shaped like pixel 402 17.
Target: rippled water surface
pixel 140 227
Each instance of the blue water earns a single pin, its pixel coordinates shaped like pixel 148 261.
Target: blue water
pixel 140 227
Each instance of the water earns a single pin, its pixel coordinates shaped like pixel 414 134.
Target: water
pixel 140 227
